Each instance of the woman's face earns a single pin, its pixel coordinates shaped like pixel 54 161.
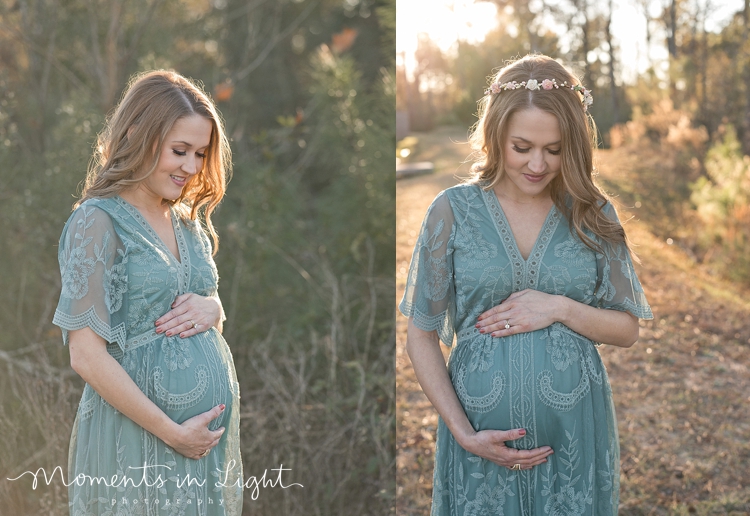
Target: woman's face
pixel 180 158
pixel 531 153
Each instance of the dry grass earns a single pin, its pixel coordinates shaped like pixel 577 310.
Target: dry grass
pixel 322 405
pixel 681 392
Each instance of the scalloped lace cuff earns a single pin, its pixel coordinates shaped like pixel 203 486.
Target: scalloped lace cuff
pixel 441 323
pixel 90 319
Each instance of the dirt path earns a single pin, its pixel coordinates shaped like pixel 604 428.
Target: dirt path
pixel 681 392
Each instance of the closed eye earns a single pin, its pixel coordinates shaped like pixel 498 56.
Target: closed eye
pixel 183 153
pixel 522 150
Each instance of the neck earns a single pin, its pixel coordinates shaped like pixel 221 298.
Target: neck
pixel 145 201
pixel 505 190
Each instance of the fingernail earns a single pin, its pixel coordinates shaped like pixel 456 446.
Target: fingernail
pixel 476 325
pixel 481 330
pixel 169 334
pixel 494 335
pixel 522 431
pixel 222 407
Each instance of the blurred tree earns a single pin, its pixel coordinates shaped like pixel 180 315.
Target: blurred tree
pixel 307 91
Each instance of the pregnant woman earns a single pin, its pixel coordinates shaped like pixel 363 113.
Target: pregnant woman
pixel 157 428
pixel 528 265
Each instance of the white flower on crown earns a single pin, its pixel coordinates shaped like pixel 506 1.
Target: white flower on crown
pixel 532 84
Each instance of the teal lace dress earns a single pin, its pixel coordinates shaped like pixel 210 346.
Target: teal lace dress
pixel 551 381
pixel 118 277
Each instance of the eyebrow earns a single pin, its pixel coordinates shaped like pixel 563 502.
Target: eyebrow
pixel 186 143
pixel 528 141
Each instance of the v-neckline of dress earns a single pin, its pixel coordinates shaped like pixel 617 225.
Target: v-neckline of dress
pixel 136 214
pixel 525 270
pixel 502 219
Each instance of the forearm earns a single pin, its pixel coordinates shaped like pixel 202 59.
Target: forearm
pixel 429 366
pixel 600 325
pixel 89 358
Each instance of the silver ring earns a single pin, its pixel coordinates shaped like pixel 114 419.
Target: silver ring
pixel 193 323
pixel 507 327
pixel 516 467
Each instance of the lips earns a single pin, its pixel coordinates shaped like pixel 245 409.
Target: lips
pixel 534 179
pixel 180 181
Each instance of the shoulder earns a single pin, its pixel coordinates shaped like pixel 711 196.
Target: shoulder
pixel 90 213
pixel 608 209
pixel 460 192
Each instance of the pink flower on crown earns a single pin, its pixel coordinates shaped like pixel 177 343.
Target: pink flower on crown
pixel 495 87
pixel 547 84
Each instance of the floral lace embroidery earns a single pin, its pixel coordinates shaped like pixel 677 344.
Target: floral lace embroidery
pixel 568 501
pixel 437 276
pixel 116 283
pixel 561 346
pixel 176 353
pixel 490 495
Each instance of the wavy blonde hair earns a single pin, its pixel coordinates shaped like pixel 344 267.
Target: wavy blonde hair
pixel 133 135
pixel 578 132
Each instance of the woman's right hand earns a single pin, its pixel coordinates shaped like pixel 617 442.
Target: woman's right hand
pixel 193 439
pixel 490 445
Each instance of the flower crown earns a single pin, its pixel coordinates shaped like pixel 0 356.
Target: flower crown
pixel 546 84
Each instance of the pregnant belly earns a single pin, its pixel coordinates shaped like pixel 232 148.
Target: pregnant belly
pixel 526 379
pixel 192 375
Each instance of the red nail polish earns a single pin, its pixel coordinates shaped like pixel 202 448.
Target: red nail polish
pixel 522 431
pixel 222 406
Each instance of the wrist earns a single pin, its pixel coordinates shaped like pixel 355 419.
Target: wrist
pixel 171 433
pixel 563 310
pixel 464 437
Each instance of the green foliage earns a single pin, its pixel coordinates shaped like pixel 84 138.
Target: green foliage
pixel 722 201
pixel 307 227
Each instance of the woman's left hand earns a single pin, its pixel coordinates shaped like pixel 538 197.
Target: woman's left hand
pixel 523 311
pixel 190 314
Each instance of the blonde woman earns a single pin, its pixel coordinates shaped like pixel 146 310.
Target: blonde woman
pixel 157 429
pixel 528 266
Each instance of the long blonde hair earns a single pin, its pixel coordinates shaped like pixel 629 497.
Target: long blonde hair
pixel 135 132
pixel 578 132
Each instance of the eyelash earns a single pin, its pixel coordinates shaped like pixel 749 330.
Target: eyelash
pixel 524 151
pixel 182 153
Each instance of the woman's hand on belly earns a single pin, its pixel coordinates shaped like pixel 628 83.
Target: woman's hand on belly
pixel 190 314
pixel 530 310
pixel 193 439
pixel 524 311
pixel 490 445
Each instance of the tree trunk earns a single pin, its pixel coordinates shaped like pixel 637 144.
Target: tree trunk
pixel 746 76
pixel 612 83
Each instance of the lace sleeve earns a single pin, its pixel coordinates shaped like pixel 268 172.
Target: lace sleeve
pixel 93 266
pixel 429 297
pixel 618 285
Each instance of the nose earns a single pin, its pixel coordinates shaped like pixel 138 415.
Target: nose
pixel 191 165
pixel 536 162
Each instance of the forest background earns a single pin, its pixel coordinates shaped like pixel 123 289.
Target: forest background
pixel 674 143
pixel 689 110
pixel 307 89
